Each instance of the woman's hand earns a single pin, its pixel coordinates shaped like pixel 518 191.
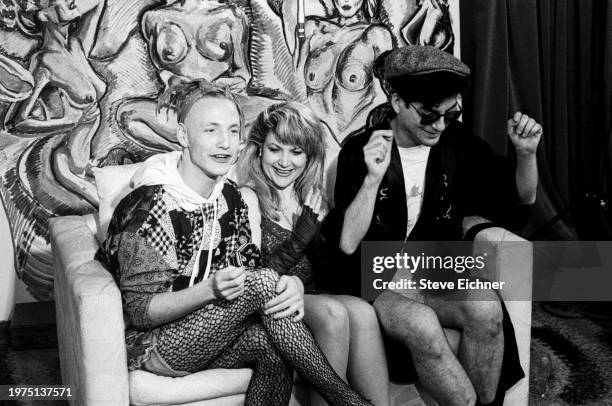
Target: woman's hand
pixel 315 201
pixel 228 283
pixel 289 301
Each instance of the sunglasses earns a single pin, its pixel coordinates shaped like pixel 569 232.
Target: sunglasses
pixel 430 117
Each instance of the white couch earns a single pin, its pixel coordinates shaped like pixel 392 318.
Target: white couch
pixel 91 330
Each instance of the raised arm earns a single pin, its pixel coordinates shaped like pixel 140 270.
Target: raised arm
pixel 302 52
pixel 358 215
pixel 89 11
pixel 525 134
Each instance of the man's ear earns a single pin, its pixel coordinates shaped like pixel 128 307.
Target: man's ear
pixel 395 102
pixel 181 135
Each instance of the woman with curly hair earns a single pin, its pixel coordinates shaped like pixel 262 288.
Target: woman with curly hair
pixel 281 171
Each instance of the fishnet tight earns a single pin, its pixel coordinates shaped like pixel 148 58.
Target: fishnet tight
pixel 193 342
pixel 272 378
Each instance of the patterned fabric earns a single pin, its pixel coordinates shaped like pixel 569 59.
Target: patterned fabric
pixel 154 231
pixel 222 333
pixel 155 247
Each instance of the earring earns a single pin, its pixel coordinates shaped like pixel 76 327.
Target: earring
pixel 259 152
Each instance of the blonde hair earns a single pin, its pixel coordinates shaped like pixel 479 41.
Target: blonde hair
pixel 181 98
pixel 291 123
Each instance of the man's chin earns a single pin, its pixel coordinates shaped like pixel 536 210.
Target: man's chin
pixel 217 172
pixel 430 141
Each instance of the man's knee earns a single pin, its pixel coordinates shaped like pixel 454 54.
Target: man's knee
pixel 412 323
pixel 484 317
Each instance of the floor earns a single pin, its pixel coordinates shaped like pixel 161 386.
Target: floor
pixel 41 366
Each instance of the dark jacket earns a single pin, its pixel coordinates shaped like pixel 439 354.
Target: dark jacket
pixel 463 177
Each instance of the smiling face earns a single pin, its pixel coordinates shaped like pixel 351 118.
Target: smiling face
pixel 409 131
pixel 348 8
pixel 282 163
pixel 210 135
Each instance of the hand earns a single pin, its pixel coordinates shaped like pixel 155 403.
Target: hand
pixel 525 134
pixel 228 283
pixel 314 200
pixel 289 301
pixel 377 153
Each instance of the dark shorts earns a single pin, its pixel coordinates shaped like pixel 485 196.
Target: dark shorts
pixel 399 360
pixel 401 365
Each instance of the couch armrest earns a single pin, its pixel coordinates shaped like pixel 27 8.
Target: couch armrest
pixel 89 318
pixel 512 257
pixel 513 263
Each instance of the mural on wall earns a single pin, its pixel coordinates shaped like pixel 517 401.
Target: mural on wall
pixel 80 80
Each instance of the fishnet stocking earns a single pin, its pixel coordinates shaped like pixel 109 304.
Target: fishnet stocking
pixel 194 341
pixel 272 378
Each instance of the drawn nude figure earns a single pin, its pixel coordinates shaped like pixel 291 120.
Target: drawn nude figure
pixel 66 91
pixel 187 41
pixel 431 25
pixel 336 59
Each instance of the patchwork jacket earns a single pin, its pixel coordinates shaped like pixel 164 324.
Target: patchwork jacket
pixel 152 248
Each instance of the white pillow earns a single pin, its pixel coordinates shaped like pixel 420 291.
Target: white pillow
pixel 112 184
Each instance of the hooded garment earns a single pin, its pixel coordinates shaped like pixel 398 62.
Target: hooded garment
pixel 162 169
pixel 156 237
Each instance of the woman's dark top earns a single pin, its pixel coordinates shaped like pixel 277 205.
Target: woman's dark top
pixel 272 237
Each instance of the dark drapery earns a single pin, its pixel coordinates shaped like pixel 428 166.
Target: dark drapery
pixel 553 60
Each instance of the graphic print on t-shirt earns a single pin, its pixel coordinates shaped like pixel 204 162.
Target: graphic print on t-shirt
pixel 414 163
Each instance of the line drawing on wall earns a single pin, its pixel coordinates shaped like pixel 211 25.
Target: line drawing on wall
pixel 80 80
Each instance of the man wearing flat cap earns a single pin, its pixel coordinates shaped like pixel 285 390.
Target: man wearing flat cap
pixel 413 173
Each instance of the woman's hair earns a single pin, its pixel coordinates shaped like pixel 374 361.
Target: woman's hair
pixel 369 10
pixel 181 98
pixel 291 123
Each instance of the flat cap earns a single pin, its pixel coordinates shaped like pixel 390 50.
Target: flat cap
pixel 418 60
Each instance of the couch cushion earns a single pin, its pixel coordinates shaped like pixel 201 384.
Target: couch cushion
pixel 215 387
pixel 147 388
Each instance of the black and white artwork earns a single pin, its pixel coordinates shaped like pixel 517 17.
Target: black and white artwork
pixel 80 80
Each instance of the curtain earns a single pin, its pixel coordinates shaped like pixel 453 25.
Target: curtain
pixel 552 60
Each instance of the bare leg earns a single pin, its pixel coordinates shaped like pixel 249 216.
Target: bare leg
pixel 417 327
pixel 481 348
pixel 367 368
pixel 328 321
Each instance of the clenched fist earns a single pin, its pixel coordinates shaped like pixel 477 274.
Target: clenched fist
pixel 377 153
pixel 525 134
